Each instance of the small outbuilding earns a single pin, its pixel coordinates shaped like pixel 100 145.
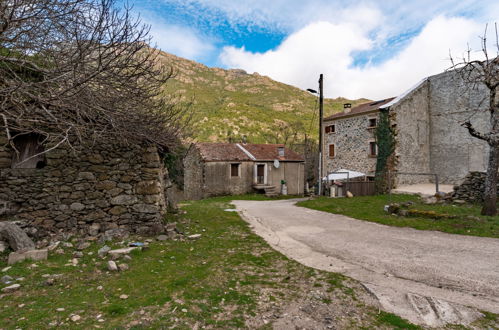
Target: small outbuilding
pixel 212 169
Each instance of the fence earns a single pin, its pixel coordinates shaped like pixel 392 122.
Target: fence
pixel 361 188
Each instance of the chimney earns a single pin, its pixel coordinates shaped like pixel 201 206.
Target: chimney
pixel 347 107
pixel 280 151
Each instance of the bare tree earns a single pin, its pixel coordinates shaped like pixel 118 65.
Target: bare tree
pixel 477 73
pixel 71 69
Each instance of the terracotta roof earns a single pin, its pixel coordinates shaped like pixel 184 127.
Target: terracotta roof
pixel 360 109
pixel 236 152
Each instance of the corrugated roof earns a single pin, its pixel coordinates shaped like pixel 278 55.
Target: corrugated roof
pixel 235 152
pixel 360 109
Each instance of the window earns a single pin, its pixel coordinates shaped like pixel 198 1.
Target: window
pixel 30 150
pixel 280 151
pixel 234 169
pixel 372 122
pixel 373 149
pixel 330 129
pixel 331 151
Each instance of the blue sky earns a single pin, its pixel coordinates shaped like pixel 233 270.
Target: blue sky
pixel 373 49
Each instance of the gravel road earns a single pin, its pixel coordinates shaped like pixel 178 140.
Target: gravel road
pixel 428 277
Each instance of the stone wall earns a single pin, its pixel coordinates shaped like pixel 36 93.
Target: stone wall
pixel 412 135
pixel 351 140
pixel 93 188
pixel 193 174
pixel 455 153
pixel 429 135
pixel 471 190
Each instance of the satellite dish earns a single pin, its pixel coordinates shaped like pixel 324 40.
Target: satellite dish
pixel 276 163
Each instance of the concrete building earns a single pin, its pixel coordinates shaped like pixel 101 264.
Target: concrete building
pixel 349 140
pixel 427 126
pixel 212 169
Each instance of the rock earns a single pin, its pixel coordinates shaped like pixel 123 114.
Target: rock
pixel 75 318
pixel 103 250
pixel 124 200
pixel 53 246
pixel 83 246
pixel 67 244
pixel 35 255
pixel 11 288
pixel 59 251
pixel 127 257
pixel 123 296
pixel 50 282
pixel 6 279
pixel 162 238
pixel 120 252
pixel 459 202
pixel 349 194
pixel 111 265
pixel 94 229
pixel 78 254
pixel 74 262
pixel 195 236
pixel 116 233
pixel 60 309
pixel 3 246
pixel 16 237
pixel 6 269
pixel 77 207
pixel 100 288
pixel 123 267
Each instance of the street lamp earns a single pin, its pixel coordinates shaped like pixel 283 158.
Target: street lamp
pixel 321 109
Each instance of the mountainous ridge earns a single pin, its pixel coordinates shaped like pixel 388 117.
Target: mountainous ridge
pixel 232 105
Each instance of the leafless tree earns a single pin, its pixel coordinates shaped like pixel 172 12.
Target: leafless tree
pixel 485 73
pixel 74 69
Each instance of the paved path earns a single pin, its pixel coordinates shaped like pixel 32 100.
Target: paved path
pixel 428 277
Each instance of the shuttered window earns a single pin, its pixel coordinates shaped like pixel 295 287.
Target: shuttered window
pixel 331 151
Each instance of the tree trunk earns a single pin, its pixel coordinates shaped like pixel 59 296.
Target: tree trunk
pixel 16 237
pixel 490 191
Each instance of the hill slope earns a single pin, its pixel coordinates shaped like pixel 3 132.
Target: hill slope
pixel 230 104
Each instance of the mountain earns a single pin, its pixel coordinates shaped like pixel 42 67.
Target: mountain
pixel 230 104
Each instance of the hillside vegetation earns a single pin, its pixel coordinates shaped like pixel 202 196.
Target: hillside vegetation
pixel 230 104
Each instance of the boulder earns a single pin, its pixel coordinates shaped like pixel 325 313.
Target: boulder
pixel 35 255
pixel 16 237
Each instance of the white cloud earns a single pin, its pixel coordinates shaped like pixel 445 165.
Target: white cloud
pixel 328 48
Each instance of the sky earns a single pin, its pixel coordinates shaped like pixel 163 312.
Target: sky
pixel 370 49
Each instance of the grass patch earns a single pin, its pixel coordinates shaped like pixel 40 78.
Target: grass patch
pixel 463 220
pixel 228 278
pixel 395 321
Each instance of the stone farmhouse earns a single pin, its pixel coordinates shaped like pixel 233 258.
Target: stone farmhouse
pixel 85 190
pixel 349 139
pixel 426 121
pixel 212 169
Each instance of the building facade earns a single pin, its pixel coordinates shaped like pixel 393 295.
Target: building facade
pixel 214 169
pixel 349 139
pixel 86 189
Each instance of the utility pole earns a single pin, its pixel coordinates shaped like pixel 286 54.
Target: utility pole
pixel 321 110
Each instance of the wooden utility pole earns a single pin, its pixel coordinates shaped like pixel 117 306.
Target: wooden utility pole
pixel 321 110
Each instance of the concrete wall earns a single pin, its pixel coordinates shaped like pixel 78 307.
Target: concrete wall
pixel 351 139
pixel 291 172
pixel 218 181
pixel 105 185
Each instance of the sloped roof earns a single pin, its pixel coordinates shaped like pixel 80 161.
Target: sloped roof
pixel 360 109
pixel 245 152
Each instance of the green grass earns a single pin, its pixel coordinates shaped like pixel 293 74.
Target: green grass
pixel 467 221
pixel 221 280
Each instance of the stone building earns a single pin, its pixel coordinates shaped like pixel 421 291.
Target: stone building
pixel 85 190
pixel 427 128
pixel 212 169
pixel 429 137
pixel 349 139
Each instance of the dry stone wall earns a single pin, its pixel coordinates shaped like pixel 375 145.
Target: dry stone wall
pixel 89 190
pixel 472 188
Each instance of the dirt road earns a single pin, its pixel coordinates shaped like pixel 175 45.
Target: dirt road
pixel 427 277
